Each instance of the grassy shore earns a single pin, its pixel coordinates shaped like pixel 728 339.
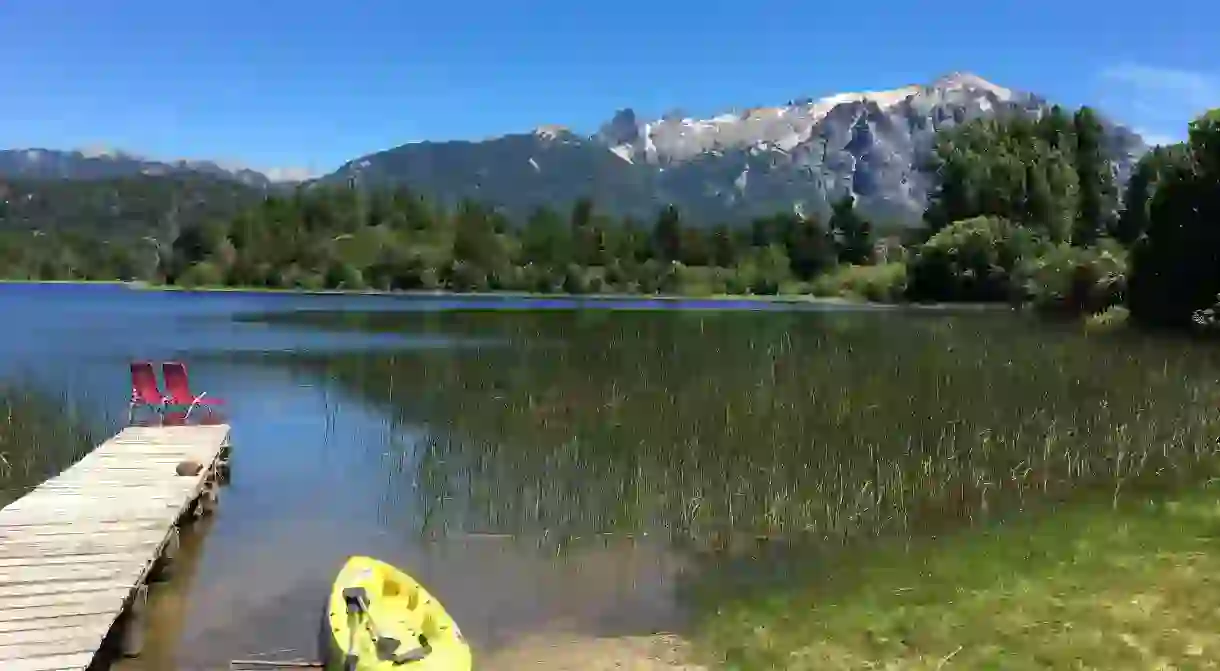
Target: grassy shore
pixel 108 282
pixel 1089 587
pixel 785 298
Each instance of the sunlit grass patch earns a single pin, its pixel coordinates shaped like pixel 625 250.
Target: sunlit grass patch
pixel 1089 587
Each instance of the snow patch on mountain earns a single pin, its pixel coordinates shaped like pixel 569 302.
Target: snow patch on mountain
pixel 676 139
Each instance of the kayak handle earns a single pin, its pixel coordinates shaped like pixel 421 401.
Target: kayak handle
pixel 386 653
pixel 416 655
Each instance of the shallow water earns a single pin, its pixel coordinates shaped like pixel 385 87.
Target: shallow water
pixel 541 466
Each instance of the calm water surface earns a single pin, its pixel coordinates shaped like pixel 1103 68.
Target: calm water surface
pixel 540 466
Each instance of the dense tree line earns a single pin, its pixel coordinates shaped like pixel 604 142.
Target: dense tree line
pixel 1050 175
pixel 95 229
pixel 338 237
pixel 1024 210
pixel 1028 210
pixel 1175 263
pixel 1015 200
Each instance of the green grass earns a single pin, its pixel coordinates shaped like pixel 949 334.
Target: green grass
pixel 1088 587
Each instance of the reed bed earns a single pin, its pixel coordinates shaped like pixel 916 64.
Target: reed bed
pixel 41 433
pixel 826 426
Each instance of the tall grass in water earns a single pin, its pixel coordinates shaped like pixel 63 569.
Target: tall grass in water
pixel 814 425
pixel 41 433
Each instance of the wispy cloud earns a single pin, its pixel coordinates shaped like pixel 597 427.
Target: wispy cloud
pixel 1159 101
pixel 1199 90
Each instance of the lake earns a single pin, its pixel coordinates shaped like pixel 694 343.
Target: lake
pixel 601 466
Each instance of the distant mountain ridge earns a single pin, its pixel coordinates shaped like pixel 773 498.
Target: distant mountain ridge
pixel 799 156
pixel 37 163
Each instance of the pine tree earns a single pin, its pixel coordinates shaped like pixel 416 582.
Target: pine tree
pixel 724 247
pixel 1039 204
pixel 1133 220
pixel 667 234
pixel 1097 190
pixel 853 235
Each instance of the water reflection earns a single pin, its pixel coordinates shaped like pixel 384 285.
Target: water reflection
pixel 779 425
pixel 582 469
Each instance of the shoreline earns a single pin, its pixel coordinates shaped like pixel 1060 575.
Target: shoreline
pixel 776 299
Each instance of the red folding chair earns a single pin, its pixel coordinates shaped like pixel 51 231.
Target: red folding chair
pixel 178 387
pixel 144 391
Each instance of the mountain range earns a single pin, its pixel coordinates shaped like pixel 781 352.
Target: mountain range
pixel 801 155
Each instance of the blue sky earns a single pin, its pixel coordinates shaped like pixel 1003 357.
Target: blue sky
pixel 309 84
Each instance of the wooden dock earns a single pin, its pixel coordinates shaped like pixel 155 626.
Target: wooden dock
pixel 77 552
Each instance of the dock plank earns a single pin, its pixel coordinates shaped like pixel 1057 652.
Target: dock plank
pixel 59 546
pixel 18 532
pixel 118 596
pixel 62 646
pixel 54 620
pixel 75 549
pixel 79 605
pixel 10 563
pixel 50 663
pixel 70 572
pixel 84 628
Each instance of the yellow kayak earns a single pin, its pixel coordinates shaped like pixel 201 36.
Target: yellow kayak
pixel 380 619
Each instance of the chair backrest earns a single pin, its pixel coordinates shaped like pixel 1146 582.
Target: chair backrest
pixel 144 383
pixel 177 384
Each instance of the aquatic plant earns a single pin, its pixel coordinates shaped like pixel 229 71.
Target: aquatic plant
pixel 41 433
pixel 823 426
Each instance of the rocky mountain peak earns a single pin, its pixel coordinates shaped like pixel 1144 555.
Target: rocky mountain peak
pixel 551 131
pixel 970 83
pixel 623 128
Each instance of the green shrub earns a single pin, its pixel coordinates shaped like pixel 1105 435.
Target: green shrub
pixel 575 280
pixel 467 276
pixel 886 283
pixel 202 274
pixel 1111 318
pixel 737 282
pixel 793 287
pixel 670 277
pixel 762 271
pixel 1075 280
pixel 695 280
pixel 340 275
pixel 311 281
pixel 970 260
pixel 429 279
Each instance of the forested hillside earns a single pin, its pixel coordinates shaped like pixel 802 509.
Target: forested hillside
pixel 1021 210
pixel 100 228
